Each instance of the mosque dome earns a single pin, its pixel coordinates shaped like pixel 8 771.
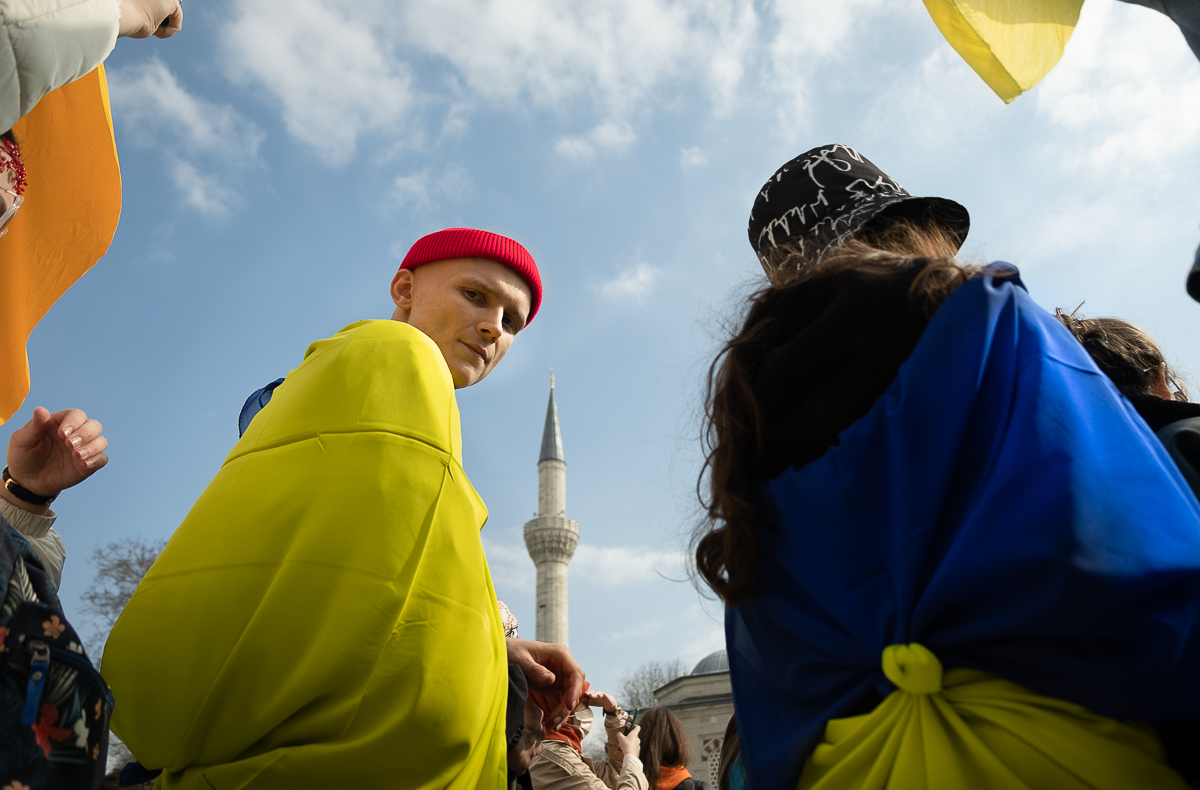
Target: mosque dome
pixel 713 662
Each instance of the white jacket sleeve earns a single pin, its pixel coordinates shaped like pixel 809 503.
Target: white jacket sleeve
pixel 38 530
pixel 47 43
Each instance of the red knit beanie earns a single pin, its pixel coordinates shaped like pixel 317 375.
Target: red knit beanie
pixel 471 243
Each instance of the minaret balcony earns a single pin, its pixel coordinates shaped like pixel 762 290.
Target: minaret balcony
pixel 551 538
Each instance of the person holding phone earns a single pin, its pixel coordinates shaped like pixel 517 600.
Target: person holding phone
pixel 563 766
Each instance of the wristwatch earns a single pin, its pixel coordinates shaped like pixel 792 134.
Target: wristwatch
pixel 24 494
pixel 616 712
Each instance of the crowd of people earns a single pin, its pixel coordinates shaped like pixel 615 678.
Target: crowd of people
pixel 957 536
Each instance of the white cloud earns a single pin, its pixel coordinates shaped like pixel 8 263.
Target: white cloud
pixel 690 158
pixel 340 69
pixel 610 136
pixel 512 569
pixel 207 142
pixel 205 193
pixel 150 102
pixel 631 285
pixel 424 187
pixel 707 632
pixel 618 52
pixel 328 62
pixel 510 566
pixel 810 34
pixel 455 122
pixel 941 92
pixel 618 565
pixel 1128 91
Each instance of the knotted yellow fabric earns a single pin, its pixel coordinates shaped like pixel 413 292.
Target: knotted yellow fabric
pixel 324 616
pixel 968 729
pixel 913 668
pixel 1011 44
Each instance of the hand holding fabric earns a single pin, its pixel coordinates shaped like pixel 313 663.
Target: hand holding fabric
pixel 53 452
pixel 145 18
pixel 552 672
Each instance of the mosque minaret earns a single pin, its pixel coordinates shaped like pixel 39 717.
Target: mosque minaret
pixel 551 537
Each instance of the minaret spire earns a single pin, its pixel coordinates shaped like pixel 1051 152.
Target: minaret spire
pixel 552 449
pixel 552 537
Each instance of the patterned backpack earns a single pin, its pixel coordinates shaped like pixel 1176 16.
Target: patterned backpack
pixel 54 706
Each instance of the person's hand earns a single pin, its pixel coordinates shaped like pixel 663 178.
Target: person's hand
pixel 145 18
pixel 630 744
pixel 552 672
pixel 598 699
pixel 529 746
pixel 53 452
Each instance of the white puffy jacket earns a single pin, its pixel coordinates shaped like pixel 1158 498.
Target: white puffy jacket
pixel 46 44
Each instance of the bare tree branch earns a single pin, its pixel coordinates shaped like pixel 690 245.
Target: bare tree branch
pixel 638 686
pixel 120 566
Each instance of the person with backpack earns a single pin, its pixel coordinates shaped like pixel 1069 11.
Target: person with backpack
pixel 54 706
pixel 666 752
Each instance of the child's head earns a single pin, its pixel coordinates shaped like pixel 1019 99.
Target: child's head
pixel 1126 354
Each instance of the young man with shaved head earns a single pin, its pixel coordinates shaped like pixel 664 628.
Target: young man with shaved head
pixel 324 617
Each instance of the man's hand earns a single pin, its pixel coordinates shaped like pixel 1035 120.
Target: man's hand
pixel 552 672
pixel 529 746
pixel 630 744
pixel 598 699
pixel 53 452
pixel 145 18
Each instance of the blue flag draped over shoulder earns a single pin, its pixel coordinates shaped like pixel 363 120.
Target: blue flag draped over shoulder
pixel 1002 505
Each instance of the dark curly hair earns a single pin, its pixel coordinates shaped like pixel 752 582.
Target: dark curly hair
pixel 726 542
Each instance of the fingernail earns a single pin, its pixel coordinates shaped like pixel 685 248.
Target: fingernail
pixel 76 441
pixel 67 430
pixel 81 453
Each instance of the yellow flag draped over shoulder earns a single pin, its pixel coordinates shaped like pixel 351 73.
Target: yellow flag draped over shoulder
pixel 324 616
pixel 1011 44
pixel 68 219
pixel 974 730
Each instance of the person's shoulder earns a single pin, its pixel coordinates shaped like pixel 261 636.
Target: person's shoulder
pixel 381 376
pixel 380 345
pixel 384 330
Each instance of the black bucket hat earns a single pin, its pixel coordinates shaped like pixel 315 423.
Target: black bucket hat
pixel 826 195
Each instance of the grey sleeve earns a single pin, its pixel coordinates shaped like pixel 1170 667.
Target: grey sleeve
pixel 39 531
pixel 44 44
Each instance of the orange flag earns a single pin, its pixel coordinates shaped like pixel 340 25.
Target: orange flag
pixel 72 204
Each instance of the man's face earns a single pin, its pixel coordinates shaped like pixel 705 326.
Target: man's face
pixel 471 307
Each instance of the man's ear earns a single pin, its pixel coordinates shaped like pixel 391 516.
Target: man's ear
pixel 402 294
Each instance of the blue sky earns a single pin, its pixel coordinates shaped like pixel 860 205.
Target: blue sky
pixel 280 157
